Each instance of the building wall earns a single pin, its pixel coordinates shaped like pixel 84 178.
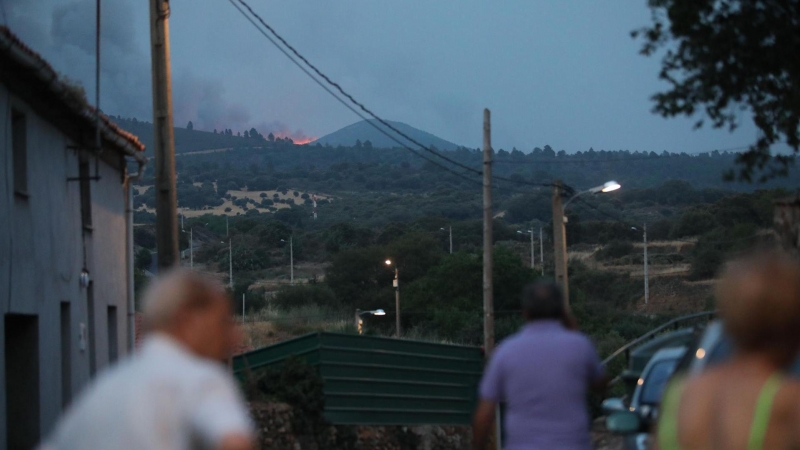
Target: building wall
pixel 42 255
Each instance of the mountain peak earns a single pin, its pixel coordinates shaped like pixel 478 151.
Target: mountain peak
pixel 365 130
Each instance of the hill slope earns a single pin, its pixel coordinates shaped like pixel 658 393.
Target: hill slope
pixel 363 131
pixel 188 140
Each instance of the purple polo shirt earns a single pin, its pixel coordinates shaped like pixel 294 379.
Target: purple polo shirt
pixel 543 374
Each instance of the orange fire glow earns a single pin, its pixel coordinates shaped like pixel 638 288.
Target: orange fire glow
pixel 297 141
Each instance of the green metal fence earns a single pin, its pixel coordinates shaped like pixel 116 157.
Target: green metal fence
pixel 383 381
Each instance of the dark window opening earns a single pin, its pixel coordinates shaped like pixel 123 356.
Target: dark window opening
pixel 22 381
pixel 19 149
pixel 90 321
pixel 84 173
pixel 66 355
pixel 112 335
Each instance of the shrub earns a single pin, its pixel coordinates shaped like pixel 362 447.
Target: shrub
pixel 616 249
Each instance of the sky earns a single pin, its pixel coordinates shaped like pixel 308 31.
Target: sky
pixel 560 73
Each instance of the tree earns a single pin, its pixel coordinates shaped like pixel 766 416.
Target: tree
pixel 726 56
pixel 271 137
pixel 143 259
pixel 246 134
pixel 190 126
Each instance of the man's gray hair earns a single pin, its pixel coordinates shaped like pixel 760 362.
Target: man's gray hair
pixel 177 289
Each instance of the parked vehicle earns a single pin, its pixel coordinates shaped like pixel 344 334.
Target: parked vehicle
pixel 647 396
pixel 711 347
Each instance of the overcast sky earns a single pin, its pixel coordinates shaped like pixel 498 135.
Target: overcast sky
pixel 564 73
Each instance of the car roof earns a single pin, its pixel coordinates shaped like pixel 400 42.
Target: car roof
pixel 668 353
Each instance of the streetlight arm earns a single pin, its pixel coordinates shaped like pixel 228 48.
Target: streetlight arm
pixel 588 191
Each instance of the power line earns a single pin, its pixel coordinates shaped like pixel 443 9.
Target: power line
pixel 346 105
pixel 351 98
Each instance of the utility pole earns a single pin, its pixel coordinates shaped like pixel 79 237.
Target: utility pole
pixel 243 316
pixel 488 292
pixel 226 226
pixel 230 263
pixel 533 256
pixel 451 239
pixel 646 279
pixel 291 260
pixel 541 248
pixel 164 148
pixel 191 248
pixel 560 240
pixel 397 300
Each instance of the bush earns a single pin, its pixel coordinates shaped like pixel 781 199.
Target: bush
pixel 228 209
pixel 143 259
pixel 614 250
pixel 290 297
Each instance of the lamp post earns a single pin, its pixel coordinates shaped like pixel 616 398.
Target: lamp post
pixel 533 257
pixel 359 313
pixel 451 238
pixel 646 278
pixel 230 262
pixel 291 259
pixel 560 232
pixel 396 284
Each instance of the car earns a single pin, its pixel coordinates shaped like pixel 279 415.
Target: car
pixel 711 347
pixel 646 397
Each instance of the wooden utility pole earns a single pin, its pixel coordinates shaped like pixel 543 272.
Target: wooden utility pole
pixel 488 292
pixel 166 198
pixel 560 240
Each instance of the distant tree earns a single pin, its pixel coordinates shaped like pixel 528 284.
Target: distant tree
pixel 246 134
pixel 238 134
pixel 271 137
pixel 723 57
pixel 358 143
pixel 367 144
pixel 254 133
pixel 143 259
pixel 215 131
pixel 190 126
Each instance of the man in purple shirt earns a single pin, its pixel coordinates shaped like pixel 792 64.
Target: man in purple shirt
pixel 543 375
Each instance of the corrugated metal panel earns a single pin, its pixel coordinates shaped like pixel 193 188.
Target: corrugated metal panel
pixel 383 381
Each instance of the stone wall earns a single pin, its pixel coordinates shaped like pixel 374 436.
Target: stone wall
pixel 276 431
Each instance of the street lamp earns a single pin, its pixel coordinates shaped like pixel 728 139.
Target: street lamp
pixel 359 313
pixel 291 259
pixel 230 261
pixel 396 284
pixel 560 232
pixel 646 278
pixel 533 257
pixel 451 238
pixel 608 186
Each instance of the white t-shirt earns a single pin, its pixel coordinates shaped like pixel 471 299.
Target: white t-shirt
pixel 164 397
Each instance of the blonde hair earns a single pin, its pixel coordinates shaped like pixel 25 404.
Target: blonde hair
pixel 175 290
pixel 759 300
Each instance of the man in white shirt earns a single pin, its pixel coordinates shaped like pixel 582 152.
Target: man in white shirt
pixel 175 392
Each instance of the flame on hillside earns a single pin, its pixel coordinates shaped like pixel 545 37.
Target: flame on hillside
pixel 298 138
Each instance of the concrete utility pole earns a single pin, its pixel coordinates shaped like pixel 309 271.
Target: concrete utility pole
pixel 646 279
pixel 451 239
pixel 230 263
pixel 533 255
pixel 191 248
pixel 397 300
pixel 226 226
pixel 541 248
pixel 560 240
pixel 291 260
pixel 164 148
pixel 488 292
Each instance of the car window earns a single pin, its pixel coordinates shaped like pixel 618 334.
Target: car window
pixel 656 380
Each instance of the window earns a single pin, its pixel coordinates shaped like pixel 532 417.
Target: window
pixel 112 335
pixel 22 381
pixel 84 173
pixel 66 355
pixel 90 312
pixel 656 381
pixel 19 149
